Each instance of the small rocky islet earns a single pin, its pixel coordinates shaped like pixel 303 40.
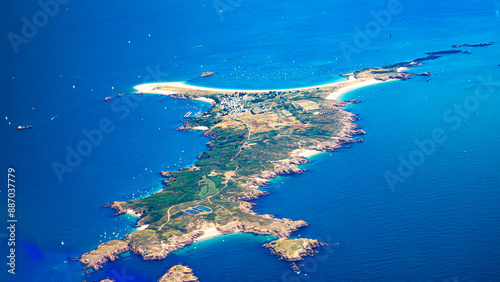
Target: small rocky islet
pixel 177 273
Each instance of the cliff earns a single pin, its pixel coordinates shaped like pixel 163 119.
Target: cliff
pixel 105 252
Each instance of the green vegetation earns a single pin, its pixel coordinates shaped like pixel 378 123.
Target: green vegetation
pixel 253 133
pixel 207 187
pixel 287 247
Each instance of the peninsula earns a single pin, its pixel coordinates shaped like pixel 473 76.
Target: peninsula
pixel 257 135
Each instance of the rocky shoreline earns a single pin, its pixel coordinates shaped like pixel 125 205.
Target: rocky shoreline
pixel 179 273
pixel 293 250
pixel 104 253
pixel 155 251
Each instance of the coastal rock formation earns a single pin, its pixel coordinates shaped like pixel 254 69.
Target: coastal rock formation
pixel 179 273
pixel 149 246
pixel 293 249
pixel 184 128
pixel 445 52
pixel 165 174
pixel 282 170
pixel 474 45
pixel 117 206
pixel 105 252
pixel 252 194
pixel 281 228
pixel 342 104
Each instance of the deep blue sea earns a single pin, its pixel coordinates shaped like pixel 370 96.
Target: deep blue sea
pixel 436 219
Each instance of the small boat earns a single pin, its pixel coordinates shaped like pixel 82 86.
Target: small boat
pixel 24 127
pixel 108 98
pixel 207 73
pixel 62 242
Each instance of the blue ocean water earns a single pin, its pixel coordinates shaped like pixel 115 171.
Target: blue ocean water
pixel 439 223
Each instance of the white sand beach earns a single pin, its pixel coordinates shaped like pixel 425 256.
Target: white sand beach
pixel 209 233
pixel 337 94
pixel 204 99
pixel 202 128
pixel 308 153
pixel 149 88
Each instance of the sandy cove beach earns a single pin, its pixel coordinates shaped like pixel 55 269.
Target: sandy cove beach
pixel 209 233
pixel 308 153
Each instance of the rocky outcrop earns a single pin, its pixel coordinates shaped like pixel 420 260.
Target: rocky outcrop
pixel 105 252
pixel 184 127
pixel 282 170
pixel 120 210
pixel 287 226
pixel 179 273
pixel 178 96
pixel 208 134
pixel 166 173
pixel 251 194
pixel 473 45
pixel 345 103
pixel 285 167
pixel 257 182
pixel 445 52
pixel 293 249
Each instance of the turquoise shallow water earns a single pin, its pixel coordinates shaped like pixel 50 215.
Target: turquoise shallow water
pixel 440 223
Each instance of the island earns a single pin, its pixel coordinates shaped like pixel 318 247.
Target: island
pixel 293 250
pixel 257 135
pixel 177 273
pixel 473 45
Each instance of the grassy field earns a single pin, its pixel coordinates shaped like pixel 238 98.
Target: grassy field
pixel 207 187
